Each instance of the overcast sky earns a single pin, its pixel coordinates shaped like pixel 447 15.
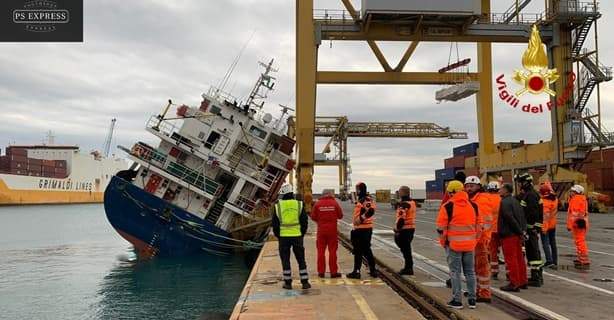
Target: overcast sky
pixel 137 54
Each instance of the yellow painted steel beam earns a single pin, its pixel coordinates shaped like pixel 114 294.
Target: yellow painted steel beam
pixel 484 96
pixel 379 55
pixel 306 67
pixel 410 50
pixel 418 78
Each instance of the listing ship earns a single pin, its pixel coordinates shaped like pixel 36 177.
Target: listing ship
pixel 54 174
pixel 209 184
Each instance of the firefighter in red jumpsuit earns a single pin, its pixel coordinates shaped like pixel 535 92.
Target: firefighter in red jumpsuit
pixel 325 213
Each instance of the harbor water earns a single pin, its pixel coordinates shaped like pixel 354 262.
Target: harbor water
pixel 66 262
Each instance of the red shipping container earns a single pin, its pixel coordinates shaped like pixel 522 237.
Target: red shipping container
pixel 18 171
pixel 50 163
pixel 18 165
pixel 60 170
pixel 60 163
pixel 13 151
pixel 59 175
pixel 434 195
pixel 33 161
pixel 18 158
pixel 35 168
pixel 455 162
pixel 602 179
pixel 47 174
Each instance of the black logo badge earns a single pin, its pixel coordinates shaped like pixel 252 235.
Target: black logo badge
pixel 41 20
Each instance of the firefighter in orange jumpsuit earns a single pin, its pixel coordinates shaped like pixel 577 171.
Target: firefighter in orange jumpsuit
pixel 473 187
pixel 404 229
pixel 577 223
pixel 495 243
pixel 550 203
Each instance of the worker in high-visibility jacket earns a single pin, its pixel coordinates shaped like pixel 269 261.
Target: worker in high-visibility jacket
pixel 577 223
pixel 404 229
pixel 289 224
pixel 531 204
pixel 458 225
pixel 550 204
pixel 492 190
pixel 362 219
pixel 326 211
pixel 473 187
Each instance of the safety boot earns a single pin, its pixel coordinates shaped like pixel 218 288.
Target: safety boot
pixel 495 276
pixel 373 273
pixel 287 284
pixel 534 281
pixel 305 284
pixel 583 266
pixel 353 275
pixel 406 272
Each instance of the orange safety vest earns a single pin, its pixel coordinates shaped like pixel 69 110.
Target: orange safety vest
pixel 550 210
pixel 366 223
pixel 578 209
pixel 408 215
pixel 459 223
pixel 495 202
pixel 485 211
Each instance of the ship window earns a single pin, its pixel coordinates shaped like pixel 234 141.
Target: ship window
pixel 213 138
pixel 201 135
pixel 257 132
pixel 144 172
pixel 215 110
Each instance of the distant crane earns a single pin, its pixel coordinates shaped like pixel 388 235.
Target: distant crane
pixel 107 142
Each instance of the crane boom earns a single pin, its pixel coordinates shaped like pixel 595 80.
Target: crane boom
pixel 107 142
pixel 329 127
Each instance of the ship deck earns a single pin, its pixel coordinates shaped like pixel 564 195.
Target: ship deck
pixel 567 293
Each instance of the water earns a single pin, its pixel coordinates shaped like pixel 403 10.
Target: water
pixel 67 262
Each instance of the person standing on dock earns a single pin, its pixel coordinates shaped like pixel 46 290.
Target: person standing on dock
pixel 534 216
pixel 363 217
pixel 550 203
pixel 473 187
pixel 289 226
pixel 325 213
pixel 577 223
pixel 492 190
pixel 404 228
pixel 458 226
pixel 511 226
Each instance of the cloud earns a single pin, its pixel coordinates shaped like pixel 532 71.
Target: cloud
pixel 137 54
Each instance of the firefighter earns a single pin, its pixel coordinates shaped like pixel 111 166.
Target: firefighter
pixel 362 219
pixel 325 213
pixel 534 215
pixel 495 243
pixel 404 228
pixel 473 187
pixel 577 223
pixel 550 203
pixel 289 226
pixel 512 230
pixel 458 226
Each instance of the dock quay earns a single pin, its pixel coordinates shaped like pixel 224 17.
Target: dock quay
pixel 566 294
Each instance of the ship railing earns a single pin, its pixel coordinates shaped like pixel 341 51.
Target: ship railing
pixel 150 155
pixel 252 171
pixel 165 127
pixel 245 203
pixel 279 157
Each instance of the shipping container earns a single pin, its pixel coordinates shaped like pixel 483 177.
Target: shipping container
pixel 17 158
pixel 36 168
pixel 434 195
pixel 472 162
pixel 602 179
pixel 50 163
pixel 18 171
pixel 33 161
pixel 60 170
pixel 434 185
pixel 382 195
pixel 18 165
pixel 59 175
pixel 14 151
pixel 455 162
pixel 445 174
pixel 468 150
pixel 472 172
pixel 60 164
pixel 424 7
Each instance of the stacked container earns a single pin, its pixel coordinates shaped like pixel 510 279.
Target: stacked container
pixel 462 157
pixel 16 161
pixel 599 169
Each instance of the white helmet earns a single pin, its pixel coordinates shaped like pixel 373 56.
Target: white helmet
pixel 493 186
pixel 578 189
pixel 472 180
pixel 286 188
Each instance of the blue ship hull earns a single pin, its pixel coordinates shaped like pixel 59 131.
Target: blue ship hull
pixel 158 228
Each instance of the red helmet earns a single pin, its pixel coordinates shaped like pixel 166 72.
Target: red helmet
pixel 545 188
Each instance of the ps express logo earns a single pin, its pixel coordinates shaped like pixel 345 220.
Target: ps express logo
pixel 41 16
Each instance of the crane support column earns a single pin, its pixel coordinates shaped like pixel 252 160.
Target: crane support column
pixel 484 96
pixel 306 68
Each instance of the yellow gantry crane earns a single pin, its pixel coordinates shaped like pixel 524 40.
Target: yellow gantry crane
pixel 563 26
pixel 339 129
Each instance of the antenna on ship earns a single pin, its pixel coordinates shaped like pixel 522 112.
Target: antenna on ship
pixel 263 86
pixel 107 141
pixel 284 112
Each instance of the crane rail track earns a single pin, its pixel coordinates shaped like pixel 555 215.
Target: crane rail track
pixel 432 307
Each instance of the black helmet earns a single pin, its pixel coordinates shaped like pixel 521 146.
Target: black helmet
pixel 523 177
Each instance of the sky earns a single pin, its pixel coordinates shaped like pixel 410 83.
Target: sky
pixel 137 54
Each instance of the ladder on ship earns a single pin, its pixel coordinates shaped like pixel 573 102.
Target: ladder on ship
pixel 216 210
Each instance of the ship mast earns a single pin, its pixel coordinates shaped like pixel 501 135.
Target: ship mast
pixel 263 86
pixel 107 142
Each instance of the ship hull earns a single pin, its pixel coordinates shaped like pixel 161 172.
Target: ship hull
pixel 34 195
pixel 158 228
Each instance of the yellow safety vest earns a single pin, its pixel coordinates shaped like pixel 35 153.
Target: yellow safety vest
pixel 288 212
